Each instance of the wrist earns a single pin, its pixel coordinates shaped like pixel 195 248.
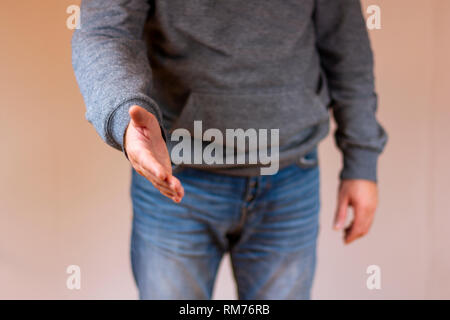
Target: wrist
pixel 120 119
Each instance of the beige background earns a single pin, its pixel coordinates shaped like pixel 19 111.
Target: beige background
pixel 64 194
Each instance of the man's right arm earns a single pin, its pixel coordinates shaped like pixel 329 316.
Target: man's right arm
pixel 110 61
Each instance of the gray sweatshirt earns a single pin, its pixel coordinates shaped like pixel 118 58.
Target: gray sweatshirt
pixel 234 64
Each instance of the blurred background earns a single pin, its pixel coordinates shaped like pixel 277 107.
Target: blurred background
pixel 64 194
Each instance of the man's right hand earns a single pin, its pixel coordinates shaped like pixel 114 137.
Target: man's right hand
pixel 147 152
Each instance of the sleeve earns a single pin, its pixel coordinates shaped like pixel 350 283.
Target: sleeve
pixel 110 61
pixel 347 60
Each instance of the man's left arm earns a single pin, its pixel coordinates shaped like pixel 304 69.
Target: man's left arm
pixel 347 60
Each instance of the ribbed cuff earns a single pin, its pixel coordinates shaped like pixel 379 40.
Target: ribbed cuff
pixel 360 164
pixel 120 119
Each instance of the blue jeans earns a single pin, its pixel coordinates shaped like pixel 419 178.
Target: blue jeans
pixel 268 224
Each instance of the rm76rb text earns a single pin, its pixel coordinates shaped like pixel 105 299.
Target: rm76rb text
pixel 246 309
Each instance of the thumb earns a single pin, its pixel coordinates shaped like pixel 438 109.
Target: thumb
pixel 139 116
pixel 341 213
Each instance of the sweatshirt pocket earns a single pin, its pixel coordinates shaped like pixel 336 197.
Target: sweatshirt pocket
pixel 289 110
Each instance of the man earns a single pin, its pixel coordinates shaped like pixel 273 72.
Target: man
pixel 149 68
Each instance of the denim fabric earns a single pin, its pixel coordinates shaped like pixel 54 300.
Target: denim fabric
pixel 268 224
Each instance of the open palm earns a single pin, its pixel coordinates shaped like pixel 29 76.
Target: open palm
pixel 147 152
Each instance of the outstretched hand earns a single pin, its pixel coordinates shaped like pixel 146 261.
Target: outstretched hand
pixel 147 152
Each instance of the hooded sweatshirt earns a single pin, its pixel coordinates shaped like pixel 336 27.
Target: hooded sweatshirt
pixel 253 64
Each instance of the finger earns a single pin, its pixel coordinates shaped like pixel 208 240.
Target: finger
pixel 158 183
pixel 171 194
pixel 162 186
pixel 163 189
pixel 171 191
pixel 358 227
pixel 350 234
pixel 173 198
pixel 341 213
pixel 174 192
pixel 167 190
pixel 139 116
pixel 176 186
pixel 149 164
pixel 149 175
